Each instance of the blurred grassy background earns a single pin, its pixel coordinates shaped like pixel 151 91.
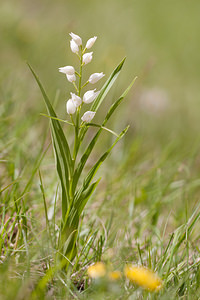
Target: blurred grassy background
pixel 162 45
pixel 160 40
pixel 151 179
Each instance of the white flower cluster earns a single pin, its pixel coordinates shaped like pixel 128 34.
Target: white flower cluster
pixel 76 101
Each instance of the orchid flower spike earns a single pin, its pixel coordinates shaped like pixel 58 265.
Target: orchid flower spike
pixel 71 78
pixel 89 96
pixel 88 116
pixel 76 99
pixel 87 57
pixel 74 47
pixel 91 42
pixel 70 106
pixel 95 77
pixel 76 38
pixel 68 70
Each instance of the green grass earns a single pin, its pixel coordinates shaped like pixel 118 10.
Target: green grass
pixel 146 207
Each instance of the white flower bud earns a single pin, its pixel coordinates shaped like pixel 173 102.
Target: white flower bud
pixel 89 96
pixel 87 57
pixel 90 42
pixel 95 77
pixel 88 116
pixel 71 78
pixel 68 70
pixel 77 100
pixel 74 47
pixel 76 38
pixel 70 106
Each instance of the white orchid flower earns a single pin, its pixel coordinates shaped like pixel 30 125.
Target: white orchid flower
pixel 77 100
pixel 76 38
pixel 88 116
pixel 89 96
pixel 74 47
pixel 70 106
pixel 91 42
pixel 71 78
pixel 87 57
pixel 68 70
pixel 95 77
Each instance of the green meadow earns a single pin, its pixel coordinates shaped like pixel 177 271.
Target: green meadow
pixel 145 211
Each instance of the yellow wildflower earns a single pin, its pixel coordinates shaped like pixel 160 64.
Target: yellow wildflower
pixel 97 270
pixel 143 277
pixel 115 275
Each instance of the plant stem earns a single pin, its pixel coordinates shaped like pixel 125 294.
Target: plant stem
pixel 85 84
pixel 75 87
pixel 78 109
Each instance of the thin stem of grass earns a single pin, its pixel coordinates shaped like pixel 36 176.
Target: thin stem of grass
pixel 45 209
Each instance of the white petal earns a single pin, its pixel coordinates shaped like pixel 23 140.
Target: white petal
pixel 88 116
pixel 77 100
pixel 89 96
pixel 87 57
pixel 71 78
pixel 91 42
pixel 70 106
pixel 68 70
pixel 95 77
pixel 76 38
pixel 74 47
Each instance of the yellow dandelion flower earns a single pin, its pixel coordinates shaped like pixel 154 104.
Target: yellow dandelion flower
pixel 143 277
pixel 97 270
pixel 115 275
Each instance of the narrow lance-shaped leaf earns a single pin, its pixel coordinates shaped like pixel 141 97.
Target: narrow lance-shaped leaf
pixel 116 103
pixel 64 121
pixel 61 147
pixel 94 169
pixel 90 147
pixel 103 92
pixel 70 228
pixel 102 127
pixel 78 206
pixel 107 86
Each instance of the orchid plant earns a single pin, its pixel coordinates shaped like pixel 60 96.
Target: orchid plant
pixel 76 191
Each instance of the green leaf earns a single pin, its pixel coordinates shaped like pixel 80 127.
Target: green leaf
pixel 102 127
pixel 83 199
pixel 62 152
pixel 90 147
pixel 69 248
pixel 74 212
pixel 107 86
pixel 94 169
pixel 103 92
pixel 117 103
pixel 64 121
pixel 70 228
